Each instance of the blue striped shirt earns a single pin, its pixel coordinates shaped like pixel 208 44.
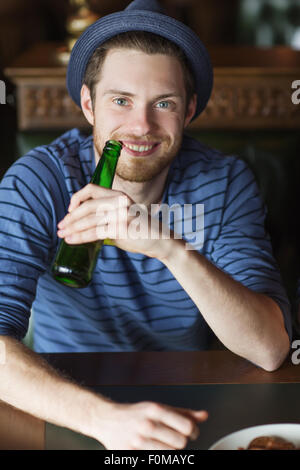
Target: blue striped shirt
pixel 133 302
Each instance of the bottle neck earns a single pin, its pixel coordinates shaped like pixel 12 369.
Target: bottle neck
pixel 106 167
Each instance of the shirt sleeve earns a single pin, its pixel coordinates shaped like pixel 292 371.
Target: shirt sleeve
pixel 243 248
pixel 32 200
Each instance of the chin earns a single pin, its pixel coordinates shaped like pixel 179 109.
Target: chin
pixel 141 173
pixel 136 177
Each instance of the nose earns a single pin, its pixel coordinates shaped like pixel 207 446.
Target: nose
pixel 141 121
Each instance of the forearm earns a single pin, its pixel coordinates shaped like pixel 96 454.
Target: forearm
pixel 30 384
pixel 248 323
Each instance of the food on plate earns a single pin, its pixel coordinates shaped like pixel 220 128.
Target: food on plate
pixel 270 443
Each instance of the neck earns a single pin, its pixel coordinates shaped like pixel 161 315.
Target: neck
pixel 148 192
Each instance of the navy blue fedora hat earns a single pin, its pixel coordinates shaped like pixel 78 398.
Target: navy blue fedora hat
pixel 142 15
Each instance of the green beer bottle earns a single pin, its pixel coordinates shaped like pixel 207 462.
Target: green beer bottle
pixel 74 264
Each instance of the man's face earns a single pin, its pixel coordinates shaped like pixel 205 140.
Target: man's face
pixel 140 100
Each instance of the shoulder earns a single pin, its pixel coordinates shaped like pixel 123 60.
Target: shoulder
pixel 64 149
pixel 47 165
pixel 37 180
pixel 197 162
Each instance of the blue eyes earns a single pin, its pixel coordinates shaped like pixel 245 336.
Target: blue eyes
pixel 163 104
pixel 124 102
pixel 121 101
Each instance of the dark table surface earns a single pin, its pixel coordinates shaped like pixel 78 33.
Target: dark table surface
pixel 169 368
pixel 231 407
pixel 235 393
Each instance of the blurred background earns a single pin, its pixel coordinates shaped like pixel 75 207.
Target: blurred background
pixel 255 51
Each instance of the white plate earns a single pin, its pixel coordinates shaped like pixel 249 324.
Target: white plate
pixel 242 438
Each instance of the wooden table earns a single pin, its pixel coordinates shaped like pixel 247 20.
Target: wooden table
pixel 214 380
pixel 252 89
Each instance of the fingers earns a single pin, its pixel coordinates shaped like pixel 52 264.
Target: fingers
pixel 95 206
pixel 155 436
pixel 150 426
pixel 172 419
pixel 72 219
pixel 86 236
pixel 90 191
pixel 86 222
pixel 198 415
pixel 177 425
pixel 107 224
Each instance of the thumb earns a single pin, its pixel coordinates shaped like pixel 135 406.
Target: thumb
pixel 199 415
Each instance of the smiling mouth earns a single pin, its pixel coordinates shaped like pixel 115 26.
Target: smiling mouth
pixel 141 149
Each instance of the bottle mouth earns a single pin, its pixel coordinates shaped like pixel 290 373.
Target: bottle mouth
pixel 113 145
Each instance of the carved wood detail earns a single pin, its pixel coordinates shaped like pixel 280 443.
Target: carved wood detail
pixel 252 90
pixel 252 105
pixel 259 102
pixel 48 107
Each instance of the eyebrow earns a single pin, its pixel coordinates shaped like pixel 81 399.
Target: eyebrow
pixel 128 93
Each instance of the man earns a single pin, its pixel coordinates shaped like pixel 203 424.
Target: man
pixel 147 293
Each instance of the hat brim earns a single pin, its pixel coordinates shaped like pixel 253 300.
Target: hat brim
pixel 141 20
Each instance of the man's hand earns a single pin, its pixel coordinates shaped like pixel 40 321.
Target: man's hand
pixel 148 426
pixel 145 425
pixel 97 213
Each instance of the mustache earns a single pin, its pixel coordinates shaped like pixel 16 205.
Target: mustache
pixel 151 139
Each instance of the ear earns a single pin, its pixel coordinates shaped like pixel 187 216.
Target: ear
pixel 190 110
pixel 86 104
